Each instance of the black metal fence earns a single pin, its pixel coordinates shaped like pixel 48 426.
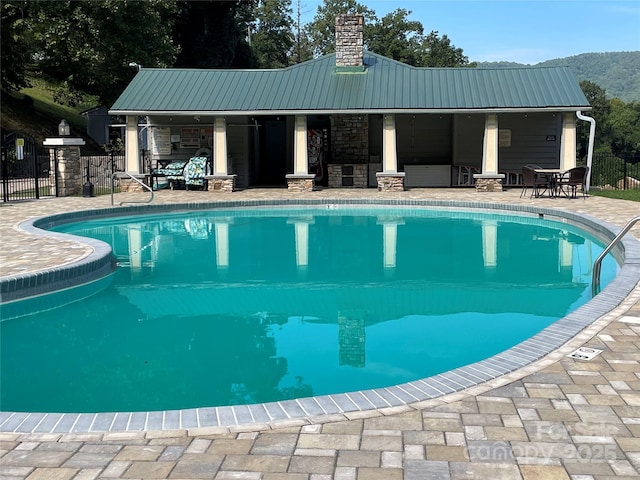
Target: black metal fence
pixel 609 171
pixel 24 168
pixel 99 169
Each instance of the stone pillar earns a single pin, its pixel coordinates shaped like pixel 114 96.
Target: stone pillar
pixel 68 179
pixel 349 40
pixel 351 338
pixel 349 139
pixel 220 181
pixel 568 142
pixel 489 180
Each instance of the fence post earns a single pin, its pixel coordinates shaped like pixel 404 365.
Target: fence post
pixel 4 171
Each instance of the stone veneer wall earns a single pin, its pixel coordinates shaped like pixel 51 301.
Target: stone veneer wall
pixel 300 184
pixel 69 171
pixel 488 185
pixel 391 183
pixel 348 176
pixel 349 40
pixel 221 183
pixel 349 139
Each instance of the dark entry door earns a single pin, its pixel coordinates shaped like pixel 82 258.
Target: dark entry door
pixel 273 167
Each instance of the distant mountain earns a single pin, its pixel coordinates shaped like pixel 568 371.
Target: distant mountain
pixel 617 72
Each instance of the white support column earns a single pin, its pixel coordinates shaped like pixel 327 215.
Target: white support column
pixel 220 146
pixel 565 253
pixel 302 244
pixel 490 244
pixel 301 233
pixel 300 163
pixel 222 244
pixel 389 150
pixel 135 249
pixel 490 144
pixel 568 142
pixel 389 240
pixel 132 146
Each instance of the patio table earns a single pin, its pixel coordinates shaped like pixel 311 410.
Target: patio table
pixel 553 175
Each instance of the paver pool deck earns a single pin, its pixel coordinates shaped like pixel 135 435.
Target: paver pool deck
pixel 558 418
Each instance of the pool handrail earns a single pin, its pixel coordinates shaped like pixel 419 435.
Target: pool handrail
pixel 132 177
pixel 595 279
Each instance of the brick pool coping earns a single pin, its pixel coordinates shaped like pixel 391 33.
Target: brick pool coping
pixel 498 369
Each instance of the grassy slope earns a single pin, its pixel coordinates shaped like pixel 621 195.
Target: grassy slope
pixel 33 112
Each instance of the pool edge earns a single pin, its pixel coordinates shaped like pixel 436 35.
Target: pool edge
pixel 438 389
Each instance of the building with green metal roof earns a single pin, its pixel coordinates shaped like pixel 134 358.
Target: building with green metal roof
pixel 354 119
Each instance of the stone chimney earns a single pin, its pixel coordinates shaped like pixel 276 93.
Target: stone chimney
pixel 349 40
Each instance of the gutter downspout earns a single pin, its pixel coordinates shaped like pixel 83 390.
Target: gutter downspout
pixel 592 135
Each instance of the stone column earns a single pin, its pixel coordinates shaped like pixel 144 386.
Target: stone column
pixel 300 180
pixel 349 40
pixel 489 180
pixel 568 142
pixel 68 179
pixel 389 178
pixel 220 181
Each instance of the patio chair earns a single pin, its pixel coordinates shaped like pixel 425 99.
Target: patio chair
pixel 173 173
pixel 195 171
pixel 531 179
pixel 574 178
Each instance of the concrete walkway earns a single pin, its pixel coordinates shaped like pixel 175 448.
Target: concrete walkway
pixel 558 418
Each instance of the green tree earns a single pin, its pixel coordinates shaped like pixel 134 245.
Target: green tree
pixel 438 52
pixel 397 37
pixel 212 34
pixel 302 50
pixel 625 134
pixel 322 29
pixel 601 109
pixel 273 39
pixel 15 52
pixel 89 45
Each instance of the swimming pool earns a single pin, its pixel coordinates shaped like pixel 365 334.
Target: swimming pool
pixel 301 264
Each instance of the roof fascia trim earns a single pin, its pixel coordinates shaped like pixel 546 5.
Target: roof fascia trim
pixel 230 113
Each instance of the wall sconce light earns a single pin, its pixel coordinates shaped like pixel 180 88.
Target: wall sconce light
pixel 63 128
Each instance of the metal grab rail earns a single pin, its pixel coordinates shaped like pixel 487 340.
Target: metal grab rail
pixel 595 279
pixel 125 175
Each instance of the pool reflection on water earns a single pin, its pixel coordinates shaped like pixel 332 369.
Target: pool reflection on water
pixel 231 307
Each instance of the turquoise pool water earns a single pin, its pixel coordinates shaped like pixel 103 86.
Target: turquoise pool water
pixel 243 306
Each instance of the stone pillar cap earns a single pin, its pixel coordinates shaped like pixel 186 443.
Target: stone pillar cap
pixel 62 142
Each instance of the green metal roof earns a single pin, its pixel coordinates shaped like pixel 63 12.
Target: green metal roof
pixel 317 86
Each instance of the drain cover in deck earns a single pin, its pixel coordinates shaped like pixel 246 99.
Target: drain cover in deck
pixel 585 353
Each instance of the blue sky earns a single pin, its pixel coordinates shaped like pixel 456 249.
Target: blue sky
pixel 524 31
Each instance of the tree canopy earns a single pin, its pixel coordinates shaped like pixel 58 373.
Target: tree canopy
pixel 90 47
